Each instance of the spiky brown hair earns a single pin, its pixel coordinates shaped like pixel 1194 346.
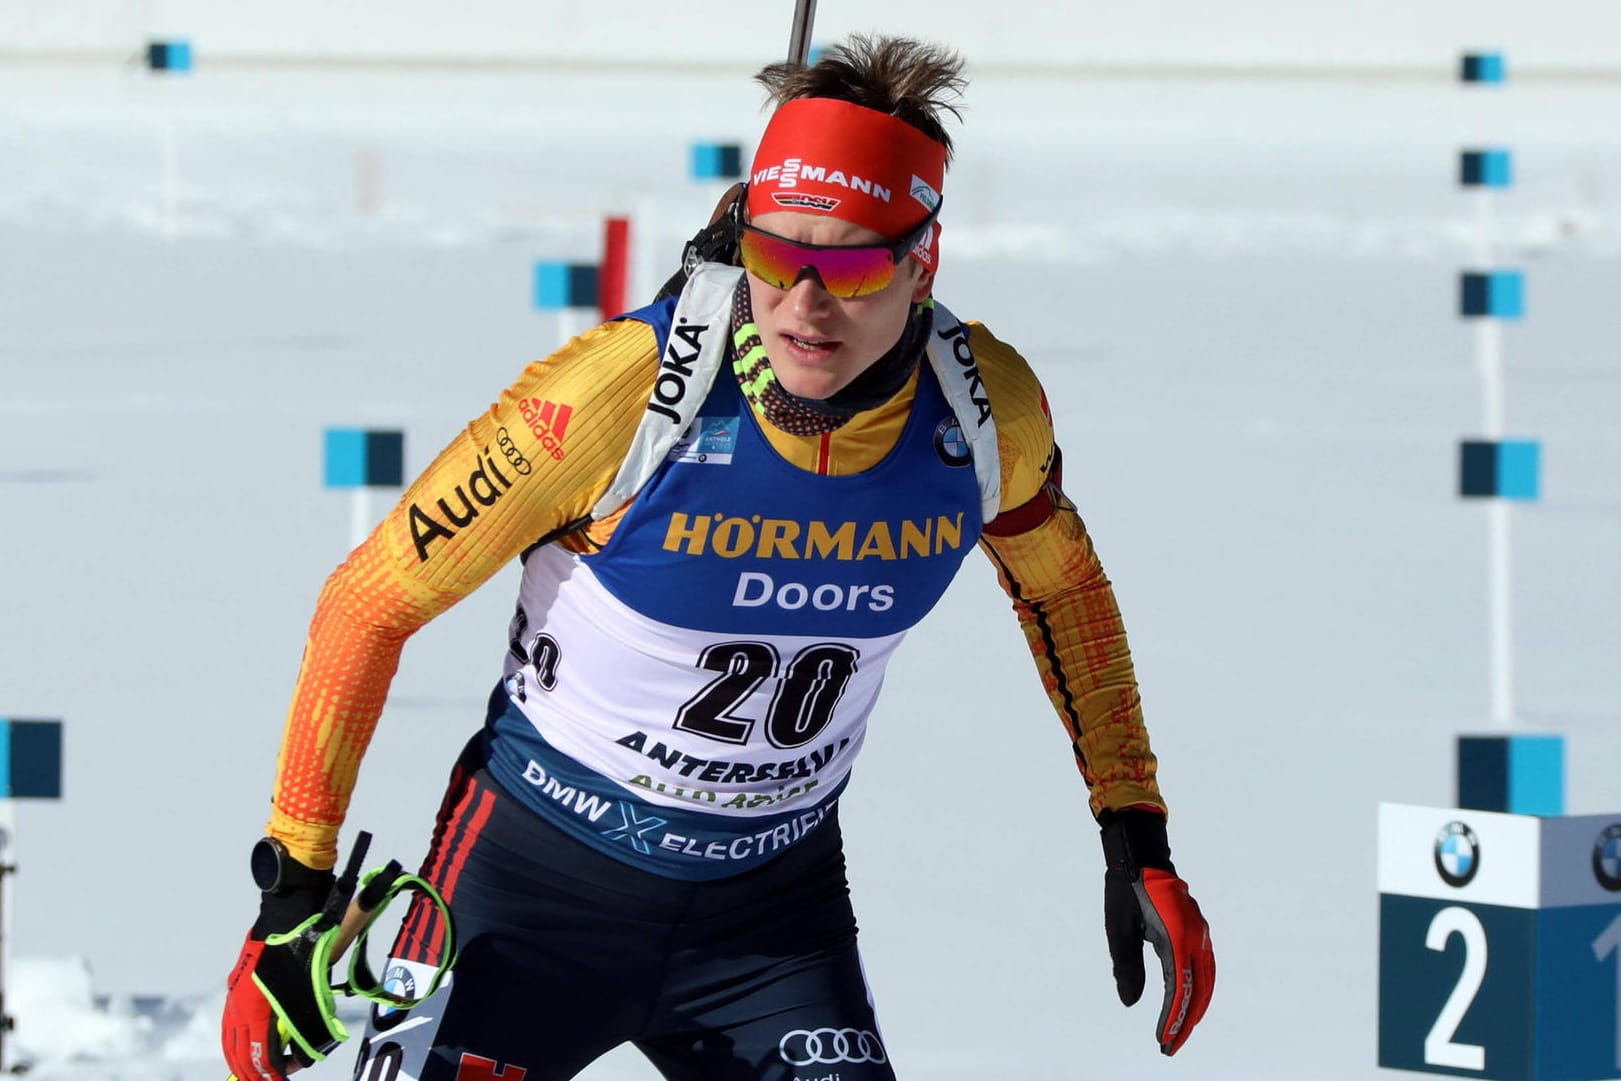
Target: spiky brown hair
pixel 911 80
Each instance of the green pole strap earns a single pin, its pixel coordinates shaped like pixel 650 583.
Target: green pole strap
pixel 389 882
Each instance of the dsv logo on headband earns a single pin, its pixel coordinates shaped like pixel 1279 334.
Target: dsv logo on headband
pixel 828 1046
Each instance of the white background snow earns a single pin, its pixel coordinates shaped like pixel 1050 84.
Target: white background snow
pixel 1238 285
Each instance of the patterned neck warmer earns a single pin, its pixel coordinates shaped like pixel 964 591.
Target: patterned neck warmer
pixel 811 416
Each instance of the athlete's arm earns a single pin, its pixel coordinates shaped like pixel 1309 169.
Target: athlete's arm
pixel 532 465
pixel 1066 606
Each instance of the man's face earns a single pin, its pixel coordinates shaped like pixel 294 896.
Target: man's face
pixel 818 342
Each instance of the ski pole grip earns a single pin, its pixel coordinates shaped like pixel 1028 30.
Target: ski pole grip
pixel 344 888
pixel 360 910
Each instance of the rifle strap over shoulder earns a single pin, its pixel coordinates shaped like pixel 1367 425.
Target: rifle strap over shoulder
pixel 693 353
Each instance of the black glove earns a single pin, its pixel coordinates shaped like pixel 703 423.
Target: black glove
pixel 1143 899
pixel 278 1003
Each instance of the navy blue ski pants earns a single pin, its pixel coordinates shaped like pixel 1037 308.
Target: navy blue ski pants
pixel 567 953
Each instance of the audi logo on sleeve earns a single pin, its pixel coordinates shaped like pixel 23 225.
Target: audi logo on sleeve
pixel 830 1046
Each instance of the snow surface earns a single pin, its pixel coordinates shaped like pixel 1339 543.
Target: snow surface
pixel 1240 294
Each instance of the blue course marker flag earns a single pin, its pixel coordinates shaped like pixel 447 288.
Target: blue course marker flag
pixel 1520 774
pixel 1498 294
pixel 356 458
pixel 30 759
pixel 1486 169
pixel 717 161
pixel 1510 469
pixel 565 285
pixel 172 56
pixel 1483 68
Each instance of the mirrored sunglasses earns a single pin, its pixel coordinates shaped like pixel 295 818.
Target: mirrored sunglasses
pixel 845 270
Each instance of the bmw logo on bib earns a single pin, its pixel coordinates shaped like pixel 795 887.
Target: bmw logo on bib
pixel 951 444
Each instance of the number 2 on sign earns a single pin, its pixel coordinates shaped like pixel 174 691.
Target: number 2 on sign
pixel 1608 942
pixel 1439 1050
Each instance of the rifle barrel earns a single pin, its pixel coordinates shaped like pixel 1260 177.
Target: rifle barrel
pixel 799 41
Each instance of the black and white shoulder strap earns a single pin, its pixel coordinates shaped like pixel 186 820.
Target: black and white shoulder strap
pixel 695 351
pixel 952 357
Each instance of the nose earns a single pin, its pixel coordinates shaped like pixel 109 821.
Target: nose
pixel 808 294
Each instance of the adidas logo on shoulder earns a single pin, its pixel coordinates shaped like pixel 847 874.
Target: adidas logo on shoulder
pixel 549 423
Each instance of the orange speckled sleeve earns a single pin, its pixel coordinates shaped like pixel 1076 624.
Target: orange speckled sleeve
pixel 536 462
pixel 1066 606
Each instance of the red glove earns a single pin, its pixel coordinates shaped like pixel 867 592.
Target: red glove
pixel 1143 899
pixel 248 1033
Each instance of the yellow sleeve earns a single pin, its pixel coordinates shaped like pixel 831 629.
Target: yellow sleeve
pixel 1066 606
pixel 533 464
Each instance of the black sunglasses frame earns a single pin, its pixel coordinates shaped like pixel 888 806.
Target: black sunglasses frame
pixel 898 249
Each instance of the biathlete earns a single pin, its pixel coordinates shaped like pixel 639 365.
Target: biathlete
pixel 730 507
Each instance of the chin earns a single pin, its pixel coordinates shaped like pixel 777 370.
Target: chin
pixel 817 387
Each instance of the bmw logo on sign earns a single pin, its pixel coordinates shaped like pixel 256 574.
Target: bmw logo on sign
pixel 1457 854
pixel 1607 858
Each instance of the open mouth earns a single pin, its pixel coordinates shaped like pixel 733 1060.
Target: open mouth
pixel 811 345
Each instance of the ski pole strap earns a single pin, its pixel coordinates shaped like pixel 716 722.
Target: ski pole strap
pixel 378 888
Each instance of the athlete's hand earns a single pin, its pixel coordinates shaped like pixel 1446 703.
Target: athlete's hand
pixel 1143 899
pixel 278 1007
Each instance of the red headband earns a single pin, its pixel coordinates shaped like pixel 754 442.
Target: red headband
pixel 852 163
